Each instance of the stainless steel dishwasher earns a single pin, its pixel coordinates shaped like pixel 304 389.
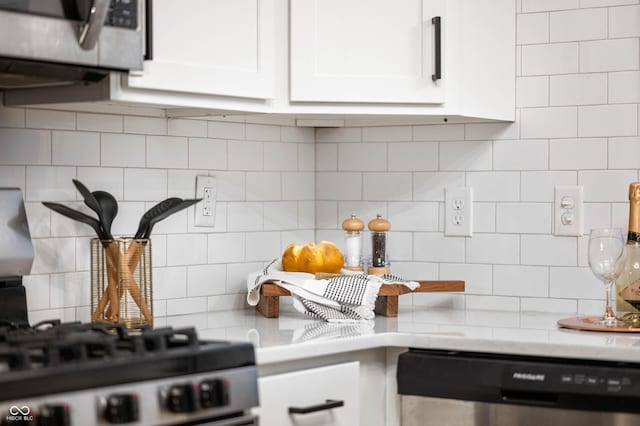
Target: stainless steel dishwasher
pixel 449 388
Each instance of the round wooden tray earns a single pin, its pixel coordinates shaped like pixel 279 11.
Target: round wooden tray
pixel 593 324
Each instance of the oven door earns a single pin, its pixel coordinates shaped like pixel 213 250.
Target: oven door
pixel 464 388
pixel 105 34
pixel 246 420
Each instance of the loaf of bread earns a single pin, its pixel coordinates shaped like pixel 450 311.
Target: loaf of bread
pixel 322 257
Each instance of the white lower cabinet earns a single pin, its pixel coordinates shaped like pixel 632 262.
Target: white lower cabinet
pixel 311 390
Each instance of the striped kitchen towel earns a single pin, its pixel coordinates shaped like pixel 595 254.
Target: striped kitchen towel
pixel 344 298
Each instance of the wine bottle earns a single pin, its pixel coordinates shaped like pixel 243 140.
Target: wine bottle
pixel 628 285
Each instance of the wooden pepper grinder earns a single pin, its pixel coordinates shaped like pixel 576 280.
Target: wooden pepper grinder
pixel 379 261
pixel 353 243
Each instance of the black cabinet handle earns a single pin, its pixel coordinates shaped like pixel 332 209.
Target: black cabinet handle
pixel 328 405
pixel 438 48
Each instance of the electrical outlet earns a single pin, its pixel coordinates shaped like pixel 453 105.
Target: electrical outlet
pixel 568 211
pixel 459 211
pixel 205 211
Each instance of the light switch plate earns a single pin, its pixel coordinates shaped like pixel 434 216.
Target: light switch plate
pixel 205 211
pixel 568 211
pixel 458 211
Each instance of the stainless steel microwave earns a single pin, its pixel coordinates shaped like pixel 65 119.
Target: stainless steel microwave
pixel 48 43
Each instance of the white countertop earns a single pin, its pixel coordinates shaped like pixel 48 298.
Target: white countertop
pixel 293 336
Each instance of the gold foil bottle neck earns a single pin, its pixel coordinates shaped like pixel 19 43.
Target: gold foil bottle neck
pixel 634 207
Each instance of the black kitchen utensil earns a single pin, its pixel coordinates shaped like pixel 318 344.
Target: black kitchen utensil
pixel 109 207
pixel 183 204
pixel 77 216
pixel 92 203
pixel 157 209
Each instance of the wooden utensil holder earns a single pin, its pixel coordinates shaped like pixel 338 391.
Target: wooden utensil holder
pixel 121 281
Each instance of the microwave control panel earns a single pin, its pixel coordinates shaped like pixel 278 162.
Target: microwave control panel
pixel 123 14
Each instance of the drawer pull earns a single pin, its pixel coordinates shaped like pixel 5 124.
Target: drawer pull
pixel 328 405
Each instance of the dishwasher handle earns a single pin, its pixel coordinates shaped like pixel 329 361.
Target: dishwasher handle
pixel 544 399
pixel 327 405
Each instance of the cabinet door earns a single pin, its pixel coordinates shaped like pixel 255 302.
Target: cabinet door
pixel 365 51
pixel 311 388
pixel 221 47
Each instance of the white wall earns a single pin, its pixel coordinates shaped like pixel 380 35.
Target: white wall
pixel 578 88
pixel 265 177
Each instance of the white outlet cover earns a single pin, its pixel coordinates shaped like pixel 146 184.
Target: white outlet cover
pixel 573 196
pixel 458 212
pixel 205 211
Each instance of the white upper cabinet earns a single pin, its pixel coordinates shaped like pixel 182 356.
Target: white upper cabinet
pixel 217 47
pixel 381 51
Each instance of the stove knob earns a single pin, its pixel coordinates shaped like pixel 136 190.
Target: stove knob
pixel 182 398
pixel 54 415
pixel 122 408
pixel 214 393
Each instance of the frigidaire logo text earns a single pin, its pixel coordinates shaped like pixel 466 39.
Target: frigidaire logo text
pixel 529 376
pixel 20 414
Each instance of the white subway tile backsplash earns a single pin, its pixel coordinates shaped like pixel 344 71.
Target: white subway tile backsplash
pixel 531 304
pixel 206 280
pixel 365 210
pixel 99 122
pixel 493 303
pixel 119 150
pixel 174 224
pixel 387 186
pixel 326 157
pixel 607 185
pixel 601 3
pixel 532 28
pixel 413 216
pixel 75 148
pixel 245 216
pixel 624 86
pixel 340 134
pixel 439 132
pixel 596 215
pixel 186 306
pixel 145 184
pixel 13 177
pixel 548 250
pixel 129 214
pixel 306 157
pixel 11 117
pixel 226 248
pixel 578 89
pixel 231 185
pixel 624 21
pixel 62 226
pixel 435 247
pixel 484 217
pixel 524 218
pixel 493 131
pixel 263 186
pixel 262 246
pixel 298 186
pixel 494 186
pixel 46 119
pixel 478 279
pixel 304 135
pixel 50 184
pixel 576 25
pixel 493 248
pixel 280 156
pixel 624 153
pixel 609 55
pixel 167 152
pixel 70 290
pixel 544 59
pixel 529 281
pixel 576 154
pixel 430 186
pixel 170 283
pixel 521 154
pixel 539 186
pixel 182 183
pixel 245 155
pixel 185 127
pixel 186 249
pixel 532 91
pixel 24 147
pixel 572 283
pixel 306 215
pixel 145 125
pixel 338 186
pixel 39 219
pixel 38 290
pixel 363 157
pixel 459 156
pixel 553 122
pixel 280 215
pixel 237 276
pixel 608 120
pixel 103 179
pixel 159 250
pixel 53 255
pixel 225 130
pixel 412 156
pixel 262 132
pixel 387 134
pixel 545 5
pixel 207 153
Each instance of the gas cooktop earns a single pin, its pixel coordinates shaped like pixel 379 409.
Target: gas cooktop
pixel 91 373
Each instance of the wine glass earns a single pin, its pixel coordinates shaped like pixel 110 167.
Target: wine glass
pixel 606 260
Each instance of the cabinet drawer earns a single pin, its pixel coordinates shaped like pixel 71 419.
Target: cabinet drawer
pixel 311 389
